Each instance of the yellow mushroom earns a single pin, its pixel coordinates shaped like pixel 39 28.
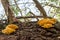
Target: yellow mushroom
pixel 47 26
pixel 8 31
pixel 50 22
pixel 42 22
pixel 54 20
pixel 13 26
pixel 46 23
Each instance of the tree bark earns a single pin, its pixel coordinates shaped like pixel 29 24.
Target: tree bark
pixel 8 11
pixel 5 5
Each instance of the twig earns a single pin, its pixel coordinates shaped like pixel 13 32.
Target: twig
pixel 26 17
pixel 33 3
pixel 41 9
pixel 18 7
pixel 30 17
pixel 51 5
pixel 34 15
pixel 54 15
pixel 54 6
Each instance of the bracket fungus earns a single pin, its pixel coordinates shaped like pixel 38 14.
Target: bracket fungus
pixel 10 29
pixel 46 23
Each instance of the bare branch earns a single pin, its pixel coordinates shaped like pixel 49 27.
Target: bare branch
pixel 54 6
pixel 5 5
pixel 34 15
pixel 27 17
pixel 18 7
pixel 41 9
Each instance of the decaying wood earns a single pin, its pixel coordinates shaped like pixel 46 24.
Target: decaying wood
pixel 31 31
pixel 41 9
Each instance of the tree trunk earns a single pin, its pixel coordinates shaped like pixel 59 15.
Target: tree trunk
pixel 5 5
pixel 8 11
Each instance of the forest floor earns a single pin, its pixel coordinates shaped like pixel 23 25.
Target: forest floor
pixel 31 31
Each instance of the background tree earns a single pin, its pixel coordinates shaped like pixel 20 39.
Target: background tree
pixel 26 6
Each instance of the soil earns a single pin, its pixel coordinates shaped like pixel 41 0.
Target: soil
pixel 31 31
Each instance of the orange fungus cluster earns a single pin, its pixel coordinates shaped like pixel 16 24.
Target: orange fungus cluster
pixel 46 23
pixel 10 29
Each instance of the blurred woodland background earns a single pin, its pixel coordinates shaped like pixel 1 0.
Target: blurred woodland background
pixel 24 7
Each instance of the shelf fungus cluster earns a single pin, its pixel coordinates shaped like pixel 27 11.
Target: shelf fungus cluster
pixel 10 29
pixel 47 22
